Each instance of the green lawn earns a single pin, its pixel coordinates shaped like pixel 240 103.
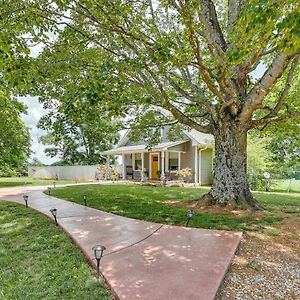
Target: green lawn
pixel 38 260
pixel 157 204
pixel 21 181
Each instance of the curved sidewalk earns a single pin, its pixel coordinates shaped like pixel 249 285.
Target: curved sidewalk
pixel 143 260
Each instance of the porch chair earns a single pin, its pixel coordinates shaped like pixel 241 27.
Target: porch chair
pixel 129 172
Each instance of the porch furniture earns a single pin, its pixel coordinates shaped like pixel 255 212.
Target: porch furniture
pixel 129 172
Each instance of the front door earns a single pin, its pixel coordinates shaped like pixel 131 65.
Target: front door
pixel 154 167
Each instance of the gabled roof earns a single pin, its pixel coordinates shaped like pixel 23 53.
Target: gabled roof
pixel 142 148
pixel 199 138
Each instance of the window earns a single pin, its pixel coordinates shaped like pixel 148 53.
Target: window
pixel 138 161
pixel 173 161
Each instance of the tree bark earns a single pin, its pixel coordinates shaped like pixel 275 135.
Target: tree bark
pixel 230 185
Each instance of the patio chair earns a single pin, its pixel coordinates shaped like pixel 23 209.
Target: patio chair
pixel 129 172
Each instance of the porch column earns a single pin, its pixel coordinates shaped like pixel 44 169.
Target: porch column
pixel 167 161
pixel 143 166
pixel 133 161
pixel 179 160
pixel 163 166
pixel 107 167
pixel 124 167
pixel 196 165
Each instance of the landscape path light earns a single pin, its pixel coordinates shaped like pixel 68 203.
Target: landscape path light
pixel 49 190
pixel 189 215
pixel 84 198
pixel 54 184
pixel 54 214
pixel 25 197
pixel 98 253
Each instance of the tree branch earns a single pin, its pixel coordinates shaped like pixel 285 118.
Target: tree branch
pixel 234 9
pixel 264 85
pixel 286 89
pixel 212 27
pixel 276 119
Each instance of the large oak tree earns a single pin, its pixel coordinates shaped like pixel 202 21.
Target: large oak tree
pixel 195 58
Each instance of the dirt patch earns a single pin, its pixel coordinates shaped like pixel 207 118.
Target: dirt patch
pixel 233 213
pixel 267 265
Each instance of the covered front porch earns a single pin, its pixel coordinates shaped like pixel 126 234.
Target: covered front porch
pixel 159 163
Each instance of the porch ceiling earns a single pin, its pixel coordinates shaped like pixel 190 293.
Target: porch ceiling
pixel 142 148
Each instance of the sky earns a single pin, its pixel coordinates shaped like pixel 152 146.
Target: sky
pixel 35 111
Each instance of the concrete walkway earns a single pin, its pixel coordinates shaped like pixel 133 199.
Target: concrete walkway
pixel 143 260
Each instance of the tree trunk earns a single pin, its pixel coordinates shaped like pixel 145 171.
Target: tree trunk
pixel 230 185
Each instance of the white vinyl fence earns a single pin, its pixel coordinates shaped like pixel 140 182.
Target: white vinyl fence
pixel 68 172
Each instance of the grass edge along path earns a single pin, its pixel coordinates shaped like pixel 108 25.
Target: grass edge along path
pixel 167 205
pixel 7 182
pixel 39 261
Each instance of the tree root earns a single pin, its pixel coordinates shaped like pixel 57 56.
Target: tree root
pixel 237 203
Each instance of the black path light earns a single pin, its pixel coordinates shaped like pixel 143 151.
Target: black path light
pixel 25 197
pixel 49 190
pixel 84 198
pixel 54 214
pixel 98 253
pixel 189 215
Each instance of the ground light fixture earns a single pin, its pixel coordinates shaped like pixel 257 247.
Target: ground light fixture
pixel 189 215
pixel 84 198
pixel 98 253
pixel 25 197
pixel 54 184
pixel 54 214
pixel 49 190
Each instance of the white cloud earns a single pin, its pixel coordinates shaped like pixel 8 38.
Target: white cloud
pixel 34 112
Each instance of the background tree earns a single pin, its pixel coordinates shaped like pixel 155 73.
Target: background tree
pixel 78 135
pixel 14 136
pixel 194 59
pixel 284 148
pixel 79 125
pixel 35 162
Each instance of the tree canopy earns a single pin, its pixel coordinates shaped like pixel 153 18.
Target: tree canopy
pixel 194 58
pixel 14 136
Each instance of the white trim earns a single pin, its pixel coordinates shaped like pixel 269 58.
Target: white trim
pixel 143 148
pixel 125 136
pixel 143 166
pixel 167 161
pixel 196 164
pixel 124 167
pixel 163 164
pixel 133 161
pixel 179 161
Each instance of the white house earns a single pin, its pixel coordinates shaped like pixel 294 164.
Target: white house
pixel 193 150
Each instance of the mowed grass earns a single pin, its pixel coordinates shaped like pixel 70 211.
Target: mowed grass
pixel 38 260
pixel 22 181
pixel 167 205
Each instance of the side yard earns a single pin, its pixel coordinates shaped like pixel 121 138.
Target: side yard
pixel 38 260
pixel 22 181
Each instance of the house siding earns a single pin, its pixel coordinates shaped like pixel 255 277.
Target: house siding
pixel 206 167
pixel 188 159
pixel 188 152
